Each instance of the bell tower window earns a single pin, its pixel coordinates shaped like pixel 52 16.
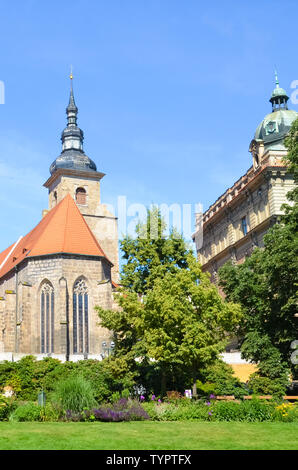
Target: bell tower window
pixel 81 196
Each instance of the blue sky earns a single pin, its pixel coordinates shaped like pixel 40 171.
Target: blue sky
pixel 169 93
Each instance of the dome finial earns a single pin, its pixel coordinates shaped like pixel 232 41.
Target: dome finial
pixel 276 78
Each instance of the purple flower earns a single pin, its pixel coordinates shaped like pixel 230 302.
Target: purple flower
pixel 209 413
pixel 142 398
pixel 153 397
pixel 212 396
pixel 159 400
pixel 208 403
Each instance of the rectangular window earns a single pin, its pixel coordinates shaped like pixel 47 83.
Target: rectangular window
pixel 244 225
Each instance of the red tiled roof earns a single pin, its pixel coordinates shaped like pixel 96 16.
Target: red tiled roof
pixel 62 230
pixel 114 284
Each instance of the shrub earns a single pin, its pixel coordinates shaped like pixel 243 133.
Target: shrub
pixel 181 410
pixel 173 395
pixel 248 410
pixel 267 386
pixel 27 412
pixel 28 376
pixel 7 405
pixel 254 410
pixel 74 393
pixel 219 379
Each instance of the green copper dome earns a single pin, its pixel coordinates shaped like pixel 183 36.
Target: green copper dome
pixel 275 126
pixel 278 92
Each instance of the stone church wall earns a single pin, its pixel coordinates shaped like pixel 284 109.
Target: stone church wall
pixel 20 307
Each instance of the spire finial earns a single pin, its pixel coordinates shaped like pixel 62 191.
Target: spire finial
pixel 276 78
pixel 71 78
pixel 71 103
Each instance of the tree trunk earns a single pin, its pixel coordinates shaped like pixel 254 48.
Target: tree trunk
pixel 163 383
pixel 194 385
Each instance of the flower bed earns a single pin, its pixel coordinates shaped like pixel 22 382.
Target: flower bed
pixel 254 410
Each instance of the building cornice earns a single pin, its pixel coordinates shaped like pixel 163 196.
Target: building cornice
pixel 233 194
pixel 93 175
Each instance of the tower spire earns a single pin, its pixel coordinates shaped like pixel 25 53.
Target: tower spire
pixel 71 109
pixel 279 96
pixel 72 155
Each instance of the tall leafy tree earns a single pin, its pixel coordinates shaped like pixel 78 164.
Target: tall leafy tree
pixel 266 286
pixel 151 253
pixel 181 323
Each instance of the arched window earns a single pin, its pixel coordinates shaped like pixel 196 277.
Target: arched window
pixel 81 196
pixel 80 318
pixel 47 318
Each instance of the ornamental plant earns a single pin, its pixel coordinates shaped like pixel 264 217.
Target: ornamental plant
pixel 286 412
pixel 74 394
pixel 7 405
pixel 27 412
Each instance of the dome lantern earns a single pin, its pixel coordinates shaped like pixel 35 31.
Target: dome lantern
pixel 279 97
pixel 275 126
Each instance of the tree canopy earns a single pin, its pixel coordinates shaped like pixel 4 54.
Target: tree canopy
pixel 266 286
pixel 171 315
pixel 151 253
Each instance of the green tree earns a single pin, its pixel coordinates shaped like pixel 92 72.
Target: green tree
pixel 266 287
pixel 181 323
pixel 151 253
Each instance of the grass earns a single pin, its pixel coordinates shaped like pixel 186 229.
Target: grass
pixel 148 435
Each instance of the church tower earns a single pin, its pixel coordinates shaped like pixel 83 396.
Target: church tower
pixel 74 173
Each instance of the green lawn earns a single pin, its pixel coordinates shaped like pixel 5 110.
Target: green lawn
pixel 148 435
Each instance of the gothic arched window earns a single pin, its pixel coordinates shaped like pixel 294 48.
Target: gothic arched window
pixel 47 318
pixel 80 318
pixel 81 196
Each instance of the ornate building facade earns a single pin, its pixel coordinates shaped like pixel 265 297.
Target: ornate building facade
pixel 52 278
pixel 238 220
